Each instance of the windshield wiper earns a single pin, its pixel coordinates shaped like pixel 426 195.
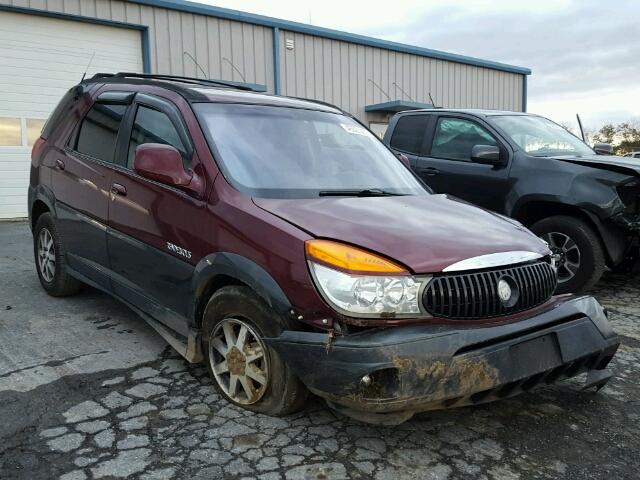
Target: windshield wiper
pixel 369 192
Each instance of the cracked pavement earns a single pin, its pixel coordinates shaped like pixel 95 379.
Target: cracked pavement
pixel 88 390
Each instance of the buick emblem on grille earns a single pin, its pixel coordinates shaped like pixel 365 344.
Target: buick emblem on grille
pixel 508 291
pixel 504 290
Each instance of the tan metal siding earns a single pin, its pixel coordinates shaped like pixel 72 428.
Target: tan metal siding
pixel 320 68
pixel 348 73
pixel 209 40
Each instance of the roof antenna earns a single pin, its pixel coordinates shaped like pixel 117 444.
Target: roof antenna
pixel 581 129
pixel 236 69
pixel 196 62
pixel 379 88
pixel 88 65
pixel 400 88
pixel 433 104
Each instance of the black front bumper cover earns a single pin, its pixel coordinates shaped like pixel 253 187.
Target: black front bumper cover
pixel 423 367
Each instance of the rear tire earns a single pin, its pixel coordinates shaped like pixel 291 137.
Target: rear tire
pixel 582 259
pixel 51 259
pixel 234 323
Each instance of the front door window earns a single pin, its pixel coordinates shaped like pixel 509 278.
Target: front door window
pixel 455 138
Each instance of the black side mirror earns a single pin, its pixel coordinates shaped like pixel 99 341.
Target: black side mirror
pixel 486 155
pixel 603 149
pixel 404 159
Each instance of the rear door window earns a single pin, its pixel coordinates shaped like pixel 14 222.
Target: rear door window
pixel 454 139
pixel 99 131
pixel 153 126
pixel 409 132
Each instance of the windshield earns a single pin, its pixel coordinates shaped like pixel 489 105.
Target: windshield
pixel 279 152
pixel 541 137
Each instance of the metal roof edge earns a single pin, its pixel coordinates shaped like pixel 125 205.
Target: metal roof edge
pixel 396 106
pixel 226 13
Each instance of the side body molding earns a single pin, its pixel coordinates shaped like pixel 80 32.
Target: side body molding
pixel 239 268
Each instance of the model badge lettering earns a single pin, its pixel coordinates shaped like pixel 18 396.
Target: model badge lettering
pixel 179 250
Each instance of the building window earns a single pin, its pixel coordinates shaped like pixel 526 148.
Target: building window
pixel 10 132
pixel 34 127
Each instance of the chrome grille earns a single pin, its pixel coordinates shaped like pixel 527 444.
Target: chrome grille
pixel 468 296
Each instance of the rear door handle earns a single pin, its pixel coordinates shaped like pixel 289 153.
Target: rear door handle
pixel 430 171
pixel 118 189
pixel 60 164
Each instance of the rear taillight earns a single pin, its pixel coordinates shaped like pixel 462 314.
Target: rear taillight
pixel 37 147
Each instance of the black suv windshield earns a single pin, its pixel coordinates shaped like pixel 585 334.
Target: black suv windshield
pixel 282 152
pixel 541 137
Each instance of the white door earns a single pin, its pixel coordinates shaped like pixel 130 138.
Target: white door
pixel 42 57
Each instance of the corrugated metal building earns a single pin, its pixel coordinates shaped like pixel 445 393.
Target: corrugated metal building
pixel 48 44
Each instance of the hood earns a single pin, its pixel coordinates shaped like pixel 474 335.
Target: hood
pixel 426 233
pixel 607 162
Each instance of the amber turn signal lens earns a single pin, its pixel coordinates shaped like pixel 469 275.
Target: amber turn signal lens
pixel 349 258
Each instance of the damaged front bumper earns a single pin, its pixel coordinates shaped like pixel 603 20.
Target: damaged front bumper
pixel 630 223
pixel 424 367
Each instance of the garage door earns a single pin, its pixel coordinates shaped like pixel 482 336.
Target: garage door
pixel 41 58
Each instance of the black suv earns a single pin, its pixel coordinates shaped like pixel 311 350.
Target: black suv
pixel 585 206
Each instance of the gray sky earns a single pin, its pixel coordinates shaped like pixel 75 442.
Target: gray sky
pixel 585 54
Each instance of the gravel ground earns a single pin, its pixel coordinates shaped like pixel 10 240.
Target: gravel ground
pixel 87 390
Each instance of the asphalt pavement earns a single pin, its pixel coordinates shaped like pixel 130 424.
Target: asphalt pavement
pixel 88 390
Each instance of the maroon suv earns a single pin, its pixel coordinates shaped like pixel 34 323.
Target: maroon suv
pixel 282 243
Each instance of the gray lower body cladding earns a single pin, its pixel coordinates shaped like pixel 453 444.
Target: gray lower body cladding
pixel 424 367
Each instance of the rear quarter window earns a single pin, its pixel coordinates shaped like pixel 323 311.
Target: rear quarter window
pixel 409 133
pixel 59 113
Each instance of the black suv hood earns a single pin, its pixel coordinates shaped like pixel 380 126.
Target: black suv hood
pixel 607 162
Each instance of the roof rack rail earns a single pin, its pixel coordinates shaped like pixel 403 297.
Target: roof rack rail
pixel 191 80
pixel 321 102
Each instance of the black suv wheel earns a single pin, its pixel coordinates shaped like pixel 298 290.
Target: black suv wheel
pixel 51 260
pixel 580 255
pixel 244 369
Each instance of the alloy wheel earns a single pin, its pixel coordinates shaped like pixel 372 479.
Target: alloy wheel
pixel 239 361
pixel 46 255
pixel 567 253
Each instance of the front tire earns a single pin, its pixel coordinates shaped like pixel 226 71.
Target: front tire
pixel 51 259
pixel 245 370
pixel 581 256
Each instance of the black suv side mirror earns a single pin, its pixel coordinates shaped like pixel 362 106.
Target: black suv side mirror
pixel 603 149
pixel 404 159
pixel 487 155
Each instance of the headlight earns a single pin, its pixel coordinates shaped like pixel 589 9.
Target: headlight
pixel 357 283
pixel 629 194
pixel 368 295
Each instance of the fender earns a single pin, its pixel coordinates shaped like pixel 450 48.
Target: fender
pixel 239 268
pixel 44 194
pixel 613 237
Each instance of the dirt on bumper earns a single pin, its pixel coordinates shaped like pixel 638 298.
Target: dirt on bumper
pixel 424 367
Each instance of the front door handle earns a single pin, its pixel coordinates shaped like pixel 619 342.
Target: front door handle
pixel 60 164
pixel 430 171
pixel 118 189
